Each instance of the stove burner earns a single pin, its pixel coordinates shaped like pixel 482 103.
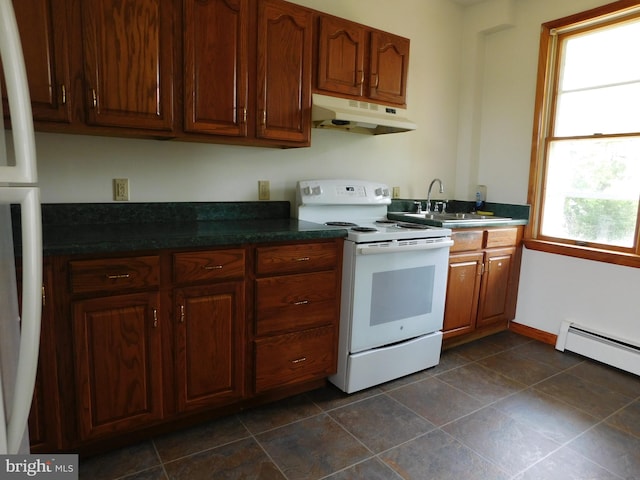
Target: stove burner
pixel 415 226
pixel 387 222
pixel 341 224
pixel 364 229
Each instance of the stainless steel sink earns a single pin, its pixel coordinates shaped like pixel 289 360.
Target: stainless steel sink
pixel 458 217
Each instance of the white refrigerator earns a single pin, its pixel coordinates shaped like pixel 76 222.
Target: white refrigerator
pixel 19 325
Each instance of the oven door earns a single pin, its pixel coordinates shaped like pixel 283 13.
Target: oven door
pixel 396 291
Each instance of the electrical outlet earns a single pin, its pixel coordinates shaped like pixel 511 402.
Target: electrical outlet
pixel 264 192
pixel 396 192
pixel 121 189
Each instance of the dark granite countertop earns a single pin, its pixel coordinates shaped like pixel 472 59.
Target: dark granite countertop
pixel 127 227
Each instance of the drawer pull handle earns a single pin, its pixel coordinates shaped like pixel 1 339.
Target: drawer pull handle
pixel 299 360
pixel 117 276
pixel 181 313
pixel 212 267
pixel 155 318
pixel 303 259
pixel 301 302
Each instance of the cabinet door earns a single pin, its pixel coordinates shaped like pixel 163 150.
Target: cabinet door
pixel 389 68
pixel 129 63
pixel 284 72
pixel 341 47
pixel 117 349
pixel 216 66
pixel 463 290
pixel 44 419
pixel 210 345
pixel 44 36
pixel 494 293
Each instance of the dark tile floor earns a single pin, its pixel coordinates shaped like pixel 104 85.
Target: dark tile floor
pixel 504 407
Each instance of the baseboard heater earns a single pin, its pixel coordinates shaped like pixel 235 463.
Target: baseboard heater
pixel 599 346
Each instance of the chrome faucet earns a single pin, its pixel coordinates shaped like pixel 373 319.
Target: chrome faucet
pixel 428 208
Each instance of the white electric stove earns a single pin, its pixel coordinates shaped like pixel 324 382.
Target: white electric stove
pixel 394 278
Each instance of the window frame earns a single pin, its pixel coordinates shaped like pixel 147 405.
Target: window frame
pixel 543 125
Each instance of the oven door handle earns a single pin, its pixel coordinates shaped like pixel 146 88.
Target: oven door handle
pixel 377 249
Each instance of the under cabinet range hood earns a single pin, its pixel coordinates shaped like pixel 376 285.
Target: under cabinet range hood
pixel 358 116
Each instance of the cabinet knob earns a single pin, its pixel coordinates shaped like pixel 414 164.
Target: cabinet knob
pixel 155 318
pixel 63 92
pixel 299 360
pixel 94 97
pixel 181 314
pixel 302 302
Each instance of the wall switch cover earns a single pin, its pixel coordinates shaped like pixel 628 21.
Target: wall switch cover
pixel 121 189
pixel 264 192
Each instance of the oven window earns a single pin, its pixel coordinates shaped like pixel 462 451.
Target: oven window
pixel 399 294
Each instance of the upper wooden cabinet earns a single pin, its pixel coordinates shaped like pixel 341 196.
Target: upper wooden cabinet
pixel 128 61
pixel 284 50
pixel 216 66
pixel 44 35
pixel 389 67
pixel 231 71
pixel 358 61
pixel 247 70
pixel 341 46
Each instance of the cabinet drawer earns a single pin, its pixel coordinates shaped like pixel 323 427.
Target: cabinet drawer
pixel 466 240
pixel 113 274
pixel 501 237
pixel 296 258
pixel 208 265
pixel 295 301
pixel 295 357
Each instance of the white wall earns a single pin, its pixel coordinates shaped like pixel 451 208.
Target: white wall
pixel 552 287
pixel 80 168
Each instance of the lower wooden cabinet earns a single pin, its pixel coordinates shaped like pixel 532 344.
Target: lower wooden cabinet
pixel 118 361
pixel 463 292
pixel 295 357
pixel 496 287
pixel 482 285
pixel 44 417
pixel 147 341
pixel 209 345
pixel 297 311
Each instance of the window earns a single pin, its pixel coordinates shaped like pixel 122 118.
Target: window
pixel 585 168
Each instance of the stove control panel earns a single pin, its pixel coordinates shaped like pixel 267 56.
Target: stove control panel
pixel 342 192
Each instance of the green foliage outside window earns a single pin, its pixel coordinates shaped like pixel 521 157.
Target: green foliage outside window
pixel 603 221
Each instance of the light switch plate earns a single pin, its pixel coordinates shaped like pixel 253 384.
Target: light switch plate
pixel 264 192
pixel 121 189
